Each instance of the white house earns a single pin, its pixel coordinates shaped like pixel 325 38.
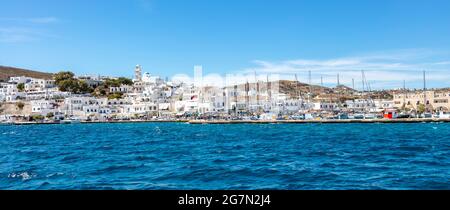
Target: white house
pixel 10 93
pixel 121 89
pixel 39 84
pixel 381 104
pixel 361 105
pixel 325 106
pixel 43 107
pixel 19 80
pixel 148 78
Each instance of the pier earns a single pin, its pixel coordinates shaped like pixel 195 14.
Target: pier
pixel 324 121
pixel 415 120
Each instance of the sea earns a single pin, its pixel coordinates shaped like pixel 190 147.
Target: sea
pixel 181 156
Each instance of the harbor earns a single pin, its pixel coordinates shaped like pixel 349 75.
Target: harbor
pixel 320 121
pixel 316 121
pixel 149 98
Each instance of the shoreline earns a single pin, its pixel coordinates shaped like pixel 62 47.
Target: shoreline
pixel 347 121
pixel 196 122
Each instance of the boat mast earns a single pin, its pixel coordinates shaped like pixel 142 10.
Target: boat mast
pixel 338 91
pixel 269 91
pixel 404 95
pixel 235 100
pixel 296 87
pixel 338 82
pixel 362 80
pixel 310 86
pixel 257 93
pixel 247 89
pixel 353 83
pixel 424 91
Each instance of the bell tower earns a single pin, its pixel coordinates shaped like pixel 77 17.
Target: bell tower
pixel 138 73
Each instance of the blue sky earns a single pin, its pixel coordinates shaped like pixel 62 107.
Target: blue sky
pixel 393 40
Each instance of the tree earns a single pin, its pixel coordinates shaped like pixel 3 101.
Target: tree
pixel 21 87
pixel 70 85
pixel 66 82
pixel 20 105
pixel 421 108
pixel 63 76
pixel 118 82
pixel 37 117
pixel 50 115
pixel 115 96
pixel 125 81
pixel 83 87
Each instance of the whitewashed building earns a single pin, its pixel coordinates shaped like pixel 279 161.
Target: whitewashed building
pixel 325 106
pixel 19 80
pixel 43 107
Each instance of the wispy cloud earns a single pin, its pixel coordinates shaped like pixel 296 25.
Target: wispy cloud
pixel 39 20
pixel 15 35
pixel 19 30
pixel 381 68
pixel 44 20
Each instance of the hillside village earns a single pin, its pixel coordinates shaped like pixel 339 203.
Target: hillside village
pixel 65 97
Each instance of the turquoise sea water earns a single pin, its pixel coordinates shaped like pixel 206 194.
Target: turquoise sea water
pixel 241 156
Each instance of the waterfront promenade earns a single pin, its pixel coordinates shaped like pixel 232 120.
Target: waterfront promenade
pixel 334 121
pixel 414 120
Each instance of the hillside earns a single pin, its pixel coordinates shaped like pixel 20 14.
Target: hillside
pixel 6 72
pixel 294 89
pixel 297 89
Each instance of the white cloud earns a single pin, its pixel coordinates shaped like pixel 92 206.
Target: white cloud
pixel 15 35
pixel 383 70
pixel 36 20
pixel 19 30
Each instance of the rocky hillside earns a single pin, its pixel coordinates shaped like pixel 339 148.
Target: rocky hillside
pixel 6 72
pixel 297 89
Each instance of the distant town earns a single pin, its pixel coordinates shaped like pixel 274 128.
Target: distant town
pixel 69 98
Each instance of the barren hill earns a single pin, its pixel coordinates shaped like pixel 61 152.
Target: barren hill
pixel 6 72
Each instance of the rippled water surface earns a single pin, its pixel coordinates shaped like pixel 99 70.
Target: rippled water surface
pixel 244 156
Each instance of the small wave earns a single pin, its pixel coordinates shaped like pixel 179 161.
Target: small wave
pixel 117 168
pixel 157 130
pixel 44 185
pixel 9 133
pixel 55 174
pixel 70 159
pixel 148 158
pixel 238 147
pixel 219 161
pixel 426 162
pixel 413 148
pixel 22 175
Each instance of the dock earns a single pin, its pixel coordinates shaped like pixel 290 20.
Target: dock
pixel 413 120
pixel 323 121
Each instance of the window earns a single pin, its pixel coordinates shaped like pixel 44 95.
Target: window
pixel 441 101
